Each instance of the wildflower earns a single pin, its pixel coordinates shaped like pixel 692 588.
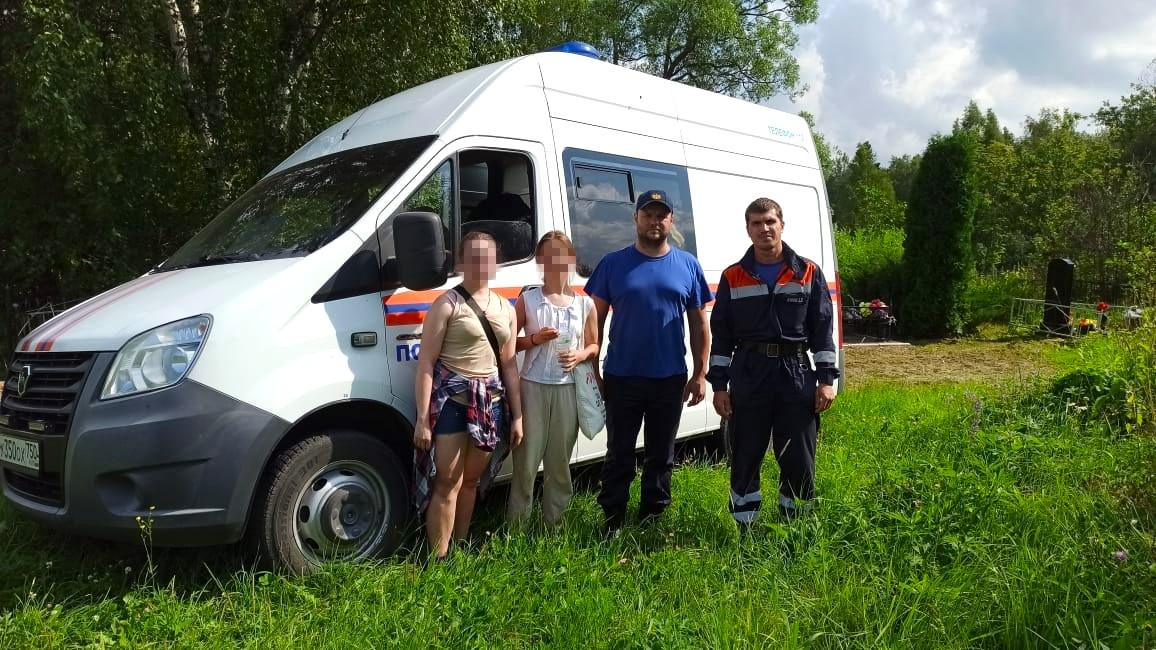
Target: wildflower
pixel 624 561
pixel 127 570
pixel 48 564
pixel 1120 555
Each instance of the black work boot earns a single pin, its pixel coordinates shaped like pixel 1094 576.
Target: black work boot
pixel 612 523
pixel 649 514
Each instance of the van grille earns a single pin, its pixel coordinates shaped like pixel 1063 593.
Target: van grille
pixel 44 412
pixel 54 383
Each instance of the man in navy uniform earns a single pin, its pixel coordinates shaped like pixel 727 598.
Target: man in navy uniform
pixel 770 309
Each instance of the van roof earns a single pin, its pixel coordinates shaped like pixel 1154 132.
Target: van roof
pixel 581 89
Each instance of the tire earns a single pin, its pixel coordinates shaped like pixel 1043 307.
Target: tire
pixel 723 443
pixel 335 496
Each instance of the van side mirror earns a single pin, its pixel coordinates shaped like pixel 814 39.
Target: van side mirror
pixel 421 250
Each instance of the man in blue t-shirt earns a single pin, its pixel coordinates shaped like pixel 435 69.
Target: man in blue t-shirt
pixel 651 286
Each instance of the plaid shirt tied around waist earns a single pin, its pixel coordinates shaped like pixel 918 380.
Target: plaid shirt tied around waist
pixel 480 424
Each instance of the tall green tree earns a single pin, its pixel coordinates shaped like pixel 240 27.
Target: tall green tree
pixel 971 121
pixel 871 201
pixel 993 131
pixel 998 245
pixel 737 47
pixel 839 188
pixel 984 126
pixel 937 246
pixel 902 170
pixel 1131 126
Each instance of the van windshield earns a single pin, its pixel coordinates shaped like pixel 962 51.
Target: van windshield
pixel 296 211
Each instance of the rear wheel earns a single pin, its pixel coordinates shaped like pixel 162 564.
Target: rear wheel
pixel 336 496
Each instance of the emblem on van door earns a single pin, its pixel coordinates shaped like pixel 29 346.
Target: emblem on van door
pixel 22 378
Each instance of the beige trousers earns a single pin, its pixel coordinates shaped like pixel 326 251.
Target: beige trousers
pixel 550 429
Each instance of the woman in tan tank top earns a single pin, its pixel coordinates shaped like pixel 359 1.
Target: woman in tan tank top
pixel 464 395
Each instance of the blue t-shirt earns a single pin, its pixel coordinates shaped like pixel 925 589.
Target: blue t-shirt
pixel 649 296
pixel 769 273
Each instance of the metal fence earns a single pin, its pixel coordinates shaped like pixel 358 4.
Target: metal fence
pixel 31 320
pixel 1027 316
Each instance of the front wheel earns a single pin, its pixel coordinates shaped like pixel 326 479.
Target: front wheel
pixel 337 496
pixel 723 442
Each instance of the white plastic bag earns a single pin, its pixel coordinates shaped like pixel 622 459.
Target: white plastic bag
pixel 591 407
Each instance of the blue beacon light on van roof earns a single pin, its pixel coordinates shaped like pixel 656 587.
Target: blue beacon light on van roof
pixel 577 47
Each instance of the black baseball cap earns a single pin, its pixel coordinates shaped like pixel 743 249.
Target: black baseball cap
pixel 653 196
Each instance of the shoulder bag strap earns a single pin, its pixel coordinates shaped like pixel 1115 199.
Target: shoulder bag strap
pixel 486 327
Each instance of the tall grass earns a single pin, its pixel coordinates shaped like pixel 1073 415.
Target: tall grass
pixel 951 517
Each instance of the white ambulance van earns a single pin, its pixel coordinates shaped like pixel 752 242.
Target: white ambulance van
pixel 261 379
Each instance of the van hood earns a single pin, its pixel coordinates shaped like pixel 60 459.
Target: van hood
pixel 106 322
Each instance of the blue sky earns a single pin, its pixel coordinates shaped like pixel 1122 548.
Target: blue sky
pixel 897 71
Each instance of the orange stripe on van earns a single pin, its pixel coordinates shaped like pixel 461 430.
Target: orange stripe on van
pixel 412 297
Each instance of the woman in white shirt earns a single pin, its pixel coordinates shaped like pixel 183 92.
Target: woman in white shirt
pixel 560 330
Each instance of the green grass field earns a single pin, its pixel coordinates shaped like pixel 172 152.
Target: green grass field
pixel 953 515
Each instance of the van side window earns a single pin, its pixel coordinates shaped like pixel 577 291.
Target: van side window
pixel 492 191
pixel 497 197
pixel 595 184
pixel 602 188
pixel 436 195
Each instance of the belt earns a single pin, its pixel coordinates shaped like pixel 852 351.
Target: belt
pixel 775 349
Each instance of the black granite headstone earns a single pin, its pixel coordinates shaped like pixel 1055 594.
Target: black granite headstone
pixel 1058 297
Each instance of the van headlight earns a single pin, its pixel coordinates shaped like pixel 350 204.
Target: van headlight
pixel 157 358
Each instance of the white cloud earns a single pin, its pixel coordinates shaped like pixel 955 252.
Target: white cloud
pixel 895 71
pixel 926 84
pixel 1131 46
pixel 814 76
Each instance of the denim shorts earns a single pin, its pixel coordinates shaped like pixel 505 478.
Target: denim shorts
pixel 452 418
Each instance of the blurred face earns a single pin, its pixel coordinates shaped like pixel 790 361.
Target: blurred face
pixel 653 223
pixel 555 258
pixel 765 230
pixel 479 260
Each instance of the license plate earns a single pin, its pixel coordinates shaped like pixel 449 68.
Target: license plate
pixel 23 453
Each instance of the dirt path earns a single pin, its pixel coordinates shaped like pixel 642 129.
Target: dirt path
pixel 955 361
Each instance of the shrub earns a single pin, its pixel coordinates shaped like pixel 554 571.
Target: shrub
pixel 1115 387
pixel 937 250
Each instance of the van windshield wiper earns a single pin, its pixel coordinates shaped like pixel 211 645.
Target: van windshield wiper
pixel 213 260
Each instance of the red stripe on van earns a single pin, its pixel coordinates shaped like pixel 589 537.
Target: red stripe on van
pixel 45 332
pixel 50 339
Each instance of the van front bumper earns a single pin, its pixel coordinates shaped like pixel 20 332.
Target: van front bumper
pixel 179 465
